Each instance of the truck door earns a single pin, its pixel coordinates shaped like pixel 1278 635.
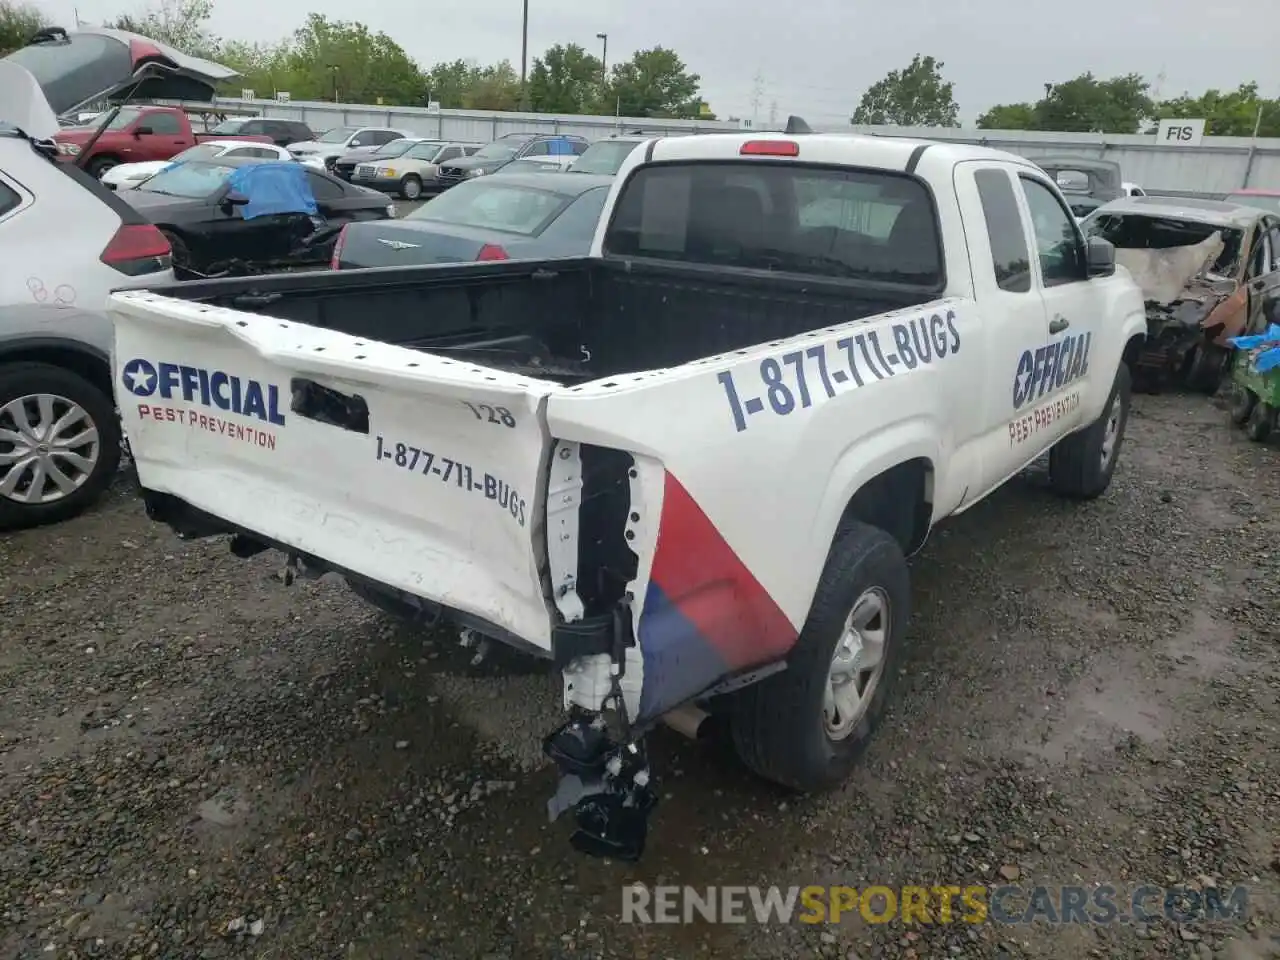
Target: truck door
pixel 1034 313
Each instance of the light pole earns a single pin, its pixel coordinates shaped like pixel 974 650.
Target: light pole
pixel 524 58
pixel 604 57
pixel 334 68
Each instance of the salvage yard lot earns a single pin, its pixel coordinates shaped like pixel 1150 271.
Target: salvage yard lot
pixel 198 762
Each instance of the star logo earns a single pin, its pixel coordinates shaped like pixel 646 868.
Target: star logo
pixel 139 377
pixel 1024 384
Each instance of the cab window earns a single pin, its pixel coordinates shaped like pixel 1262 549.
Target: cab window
pixel 1009 255
pixel 1058 244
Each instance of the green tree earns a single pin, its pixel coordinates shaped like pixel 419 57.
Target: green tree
pixel 450 83
pixel 916 96
pixel 338 57
pixel 17 24
pixel 494 88
pixel 1087 104
pixel 1009 116
pixel 653 83
pixel 183 24
pixel 565 79
pixel 1083 105
pixel 1229 114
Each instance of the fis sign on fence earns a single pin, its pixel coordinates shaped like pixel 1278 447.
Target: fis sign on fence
pixel 1180 133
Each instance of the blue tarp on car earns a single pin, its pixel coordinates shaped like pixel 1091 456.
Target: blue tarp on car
pixel 274 188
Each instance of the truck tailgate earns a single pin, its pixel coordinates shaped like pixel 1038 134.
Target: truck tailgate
pixel 418 471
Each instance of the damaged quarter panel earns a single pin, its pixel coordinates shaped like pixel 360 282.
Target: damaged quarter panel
pixel 725 575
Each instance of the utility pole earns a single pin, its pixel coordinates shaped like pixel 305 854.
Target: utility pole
pixel 604 58
pixel 773 115
pixel 524 59
pixel 757 94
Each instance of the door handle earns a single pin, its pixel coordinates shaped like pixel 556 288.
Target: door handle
pixel 1058 324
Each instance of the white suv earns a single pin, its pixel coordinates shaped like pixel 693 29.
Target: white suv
pixel 66 242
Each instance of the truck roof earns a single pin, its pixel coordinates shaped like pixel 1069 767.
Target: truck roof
pixel 888 153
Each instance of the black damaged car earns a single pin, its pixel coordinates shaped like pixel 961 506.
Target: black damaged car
pixel 218 224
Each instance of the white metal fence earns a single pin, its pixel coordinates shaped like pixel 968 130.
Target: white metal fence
pixel 1217 166
pixel 469 125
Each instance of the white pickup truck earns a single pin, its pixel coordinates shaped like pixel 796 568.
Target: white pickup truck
pixel 689 467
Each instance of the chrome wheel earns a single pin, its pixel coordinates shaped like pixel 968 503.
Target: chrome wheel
pixel 857 664
pixel 49 448
pixel 1111 433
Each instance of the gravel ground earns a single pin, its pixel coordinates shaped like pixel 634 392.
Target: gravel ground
pixel 196 761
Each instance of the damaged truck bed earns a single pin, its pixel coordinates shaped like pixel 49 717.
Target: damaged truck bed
pixel 1207 271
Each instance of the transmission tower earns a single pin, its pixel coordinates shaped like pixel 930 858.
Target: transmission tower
pixel 757 94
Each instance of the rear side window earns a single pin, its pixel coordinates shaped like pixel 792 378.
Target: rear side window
pixel 854 224
pixel 324 189
pixel 1009 253
pixel 493 205
pixel 9 199
pixel 163 124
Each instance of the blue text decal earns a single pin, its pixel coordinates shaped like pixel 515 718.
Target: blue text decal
pixel 209 388
pixel 427 464
pixel 1050 367
pixel 804 376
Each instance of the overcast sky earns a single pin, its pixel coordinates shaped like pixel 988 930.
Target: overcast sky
pixel 816 57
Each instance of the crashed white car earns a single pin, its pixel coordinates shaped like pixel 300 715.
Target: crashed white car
pixel 126 176
pixel 687 468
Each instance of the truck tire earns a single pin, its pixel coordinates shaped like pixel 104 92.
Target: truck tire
pixel 1259 424
pixel 100 165
pixel 1242 405
pixel 790 727
pixel 1081 465
pixel 1209 364
pixel 410 186
pixel 45 396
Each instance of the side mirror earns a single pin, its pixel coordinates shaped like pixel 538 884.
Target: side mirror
pixel 234 199
pixel 355 143
pixel 1099 257
pixel 143 131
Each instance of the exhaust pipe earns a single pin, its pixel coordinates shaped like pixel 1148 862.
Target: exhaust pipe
pixel 686 720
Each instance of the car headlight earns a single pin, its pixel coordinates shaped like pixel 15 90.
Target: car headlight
pixel 477 172
pixel 385 171
pixel 391 210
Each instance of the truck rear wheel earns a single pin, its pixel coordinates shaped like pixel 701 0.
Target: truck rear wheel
pixel 806 727
pixel 1081 465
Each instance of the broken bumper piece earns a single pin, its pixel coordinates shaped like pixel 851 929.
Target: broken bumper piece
pixel 606 784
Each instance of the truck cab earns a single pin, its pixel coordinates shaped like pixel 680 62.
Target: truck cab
pixel 687 468
pixel 136 134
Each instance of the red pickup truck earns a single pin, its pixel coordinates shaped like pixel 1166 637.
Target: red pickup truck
pixel 135 135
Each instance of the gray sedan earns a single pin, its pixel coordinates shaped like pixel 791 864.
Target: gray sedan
pixel 514 217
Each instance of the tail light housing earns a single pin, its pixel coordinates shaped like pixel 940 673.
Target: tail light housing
pixel 491 251
pixel 337 247
pixel 137 249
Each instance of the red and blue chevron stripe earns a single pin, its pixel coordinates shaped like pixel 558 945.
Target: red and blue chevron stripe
pixel 705 614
